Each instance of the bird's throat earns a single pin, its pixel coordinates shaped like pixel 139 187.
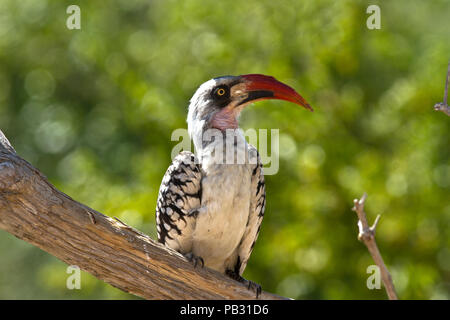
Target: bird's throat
pixel 225 119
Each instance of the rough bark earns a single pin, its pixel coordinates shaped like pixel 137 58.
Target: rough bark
pixel 33 210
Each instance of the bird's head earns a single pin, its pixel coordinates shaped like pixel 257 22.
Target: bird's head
pixel 218 102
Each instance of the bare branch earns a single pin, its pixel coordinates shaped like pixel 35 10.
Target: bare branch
pixel 442 106
pixel 367 236
pixel 33 210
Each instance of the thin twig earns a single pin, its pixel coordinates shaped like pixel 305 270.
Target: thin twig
pixel 442 106
pixel 367 236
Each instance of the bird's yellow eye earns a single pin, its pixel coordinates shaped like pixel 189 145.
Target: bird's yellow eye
pixel 220 93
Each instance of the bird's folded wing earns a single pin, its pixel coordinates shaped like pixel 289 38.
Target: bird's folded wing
pixel 179 196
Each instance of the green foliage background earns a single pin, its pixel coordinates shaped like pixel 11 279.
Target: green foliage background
pixel 94 109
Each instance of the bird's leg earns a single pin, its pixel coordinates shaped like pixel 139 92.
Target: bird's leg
pixel 196 260
pixel 250 284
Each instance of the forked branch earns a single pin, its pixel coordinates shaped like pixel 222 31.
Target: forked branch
pixel 443 106
pixel 367 236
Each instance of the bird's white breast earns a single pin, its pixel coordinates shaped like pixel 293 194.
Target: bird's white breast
pixel 226 195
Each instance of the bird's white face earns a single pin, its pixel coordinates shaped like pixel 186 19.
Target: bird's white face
pixel 218 102
pixel 213 102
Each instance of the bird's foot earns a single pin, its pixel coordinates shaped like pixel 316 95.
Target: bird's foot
pixel 196 260
pixel 253 286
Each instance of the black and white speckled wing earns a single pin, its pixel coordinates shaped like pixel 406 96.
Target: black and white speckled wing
pixel 257 207
pixel 179 196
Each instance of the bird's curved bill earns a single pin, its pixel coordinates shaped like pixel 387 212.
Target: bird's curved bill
pixel 261 87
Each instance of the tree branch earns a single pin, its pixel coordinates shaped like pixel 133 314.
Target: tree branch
pixel 33 210
pixel 442 106
pixel 367 236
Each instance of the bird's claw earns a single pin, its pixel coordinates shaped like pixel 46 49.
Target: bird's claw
pixel 196 260
pixel 253 286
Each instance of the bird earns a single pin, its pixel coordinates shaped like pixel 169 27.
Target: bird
pixel 208 209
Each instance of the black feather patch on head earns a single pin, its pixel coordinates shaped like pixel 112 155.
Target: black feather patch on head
pixel 221 95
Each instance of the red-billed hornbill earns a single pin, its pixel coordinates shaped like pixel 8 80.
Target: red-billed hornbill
pixel 209 210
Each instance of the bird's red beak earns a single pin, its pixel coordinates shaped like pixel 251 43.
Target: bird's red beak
pixel 261 87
